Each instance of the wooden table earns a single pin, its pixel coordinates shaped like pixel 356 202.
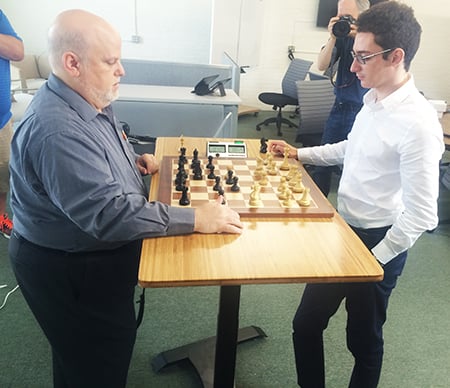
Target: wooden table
pixel 270 250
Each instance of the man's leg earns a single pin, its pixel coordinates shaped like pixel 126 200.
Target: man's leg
pixel 319 302
pixel 85 305
pixel 367 306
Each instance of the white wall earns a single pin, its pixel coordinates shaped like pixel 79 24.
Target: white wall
pixel 253 32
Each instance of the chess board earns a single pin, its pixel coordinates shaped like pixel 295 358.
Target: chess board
pixel 202 190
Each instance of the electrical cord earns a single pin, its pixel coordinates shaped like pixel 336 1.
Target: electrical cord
pixel 8 294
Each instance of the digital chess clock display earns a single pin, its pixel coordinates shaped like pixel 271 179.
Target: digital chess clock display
pixel 236 149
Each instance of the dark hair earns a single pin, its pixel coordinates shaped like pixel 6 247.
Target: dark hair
pixel 394 26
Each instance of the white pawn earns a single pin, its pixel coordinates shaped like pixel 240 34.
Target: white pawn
pixel 305 200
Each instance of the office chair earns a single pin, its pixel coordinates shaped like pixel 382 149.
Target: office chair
pixel 296 71
pixel 315 99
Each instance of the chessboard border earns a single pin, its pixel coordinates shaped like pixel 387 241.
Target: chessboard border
pixel 323 210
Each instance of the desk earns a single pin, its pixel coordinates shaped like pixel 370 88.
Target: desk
pixel 328 251
pixel 149 108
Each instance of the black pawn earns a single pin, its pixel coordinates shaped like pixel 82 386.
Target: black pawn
pixel 184 200
pixel 210 162
pixel 217 186
pixel 221 192
pixel 211 174
pixel 229 180
pixel 235 188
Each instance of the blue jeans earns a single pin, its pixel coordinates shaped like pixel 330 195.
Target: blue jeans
pixel 366 305
pixel 337 127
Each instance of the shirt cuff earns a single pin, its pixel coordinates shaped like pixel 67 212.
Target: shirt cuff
pixel 383 253
pixel 181 221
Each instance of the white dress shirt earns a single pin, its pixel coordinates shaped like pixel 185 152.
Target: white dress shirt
pixel 390 168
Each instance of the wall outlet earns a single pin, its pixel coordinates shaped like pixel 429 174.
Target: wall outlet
pixel 291 48
pixel 136 38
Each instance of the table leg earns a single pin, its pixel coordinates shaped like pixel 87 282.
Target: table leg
pixel 214 358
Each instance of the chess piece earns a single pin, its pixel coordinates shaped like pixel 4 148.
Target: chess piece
pixel 255 199
pixel 184 200
pixel 298 187
pixel 229 177
pixel 217 186
pixel 181 184
pixel 235 188
pixel 197 170
pixel 283 184
pixel 305 200
pixel 288 201
pixel 210 162
pixel 221 192
pixel 285 166
pixel 263 147
pixel 194 158
pixel 211 174
pixel 271 170
pixel 263 181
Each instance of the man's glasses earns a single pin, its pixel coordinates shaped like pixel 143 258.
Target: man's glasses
pixel 362 59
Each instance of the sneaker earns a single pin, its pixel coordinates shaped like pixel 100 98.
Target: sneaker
pixel 6 226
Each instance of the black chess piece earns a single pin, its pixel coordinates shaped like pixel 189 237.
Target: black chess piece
pixel 183 154
pixel 197 170
pixel 263 148
pixel 229 180
pixel 221 192
pixel 181 184
pixel 211 174
pixel 235 188
pixel 210 162
pixel 184 200
pixel 195 158
pixel 217 186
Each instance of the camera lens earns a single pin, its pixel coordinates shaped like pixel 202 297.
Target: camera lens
pixel 341 28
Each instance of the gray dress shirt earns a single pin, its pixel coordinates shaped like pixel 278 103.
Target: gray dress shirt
pixel 74 182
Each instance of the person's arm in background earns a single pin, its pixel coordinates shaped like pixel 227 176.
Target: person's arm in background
pixel 11 47
pixel 324 58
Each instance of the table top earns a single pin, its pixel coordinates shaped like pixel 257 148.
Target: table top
pixel 270 250
pixel 174 94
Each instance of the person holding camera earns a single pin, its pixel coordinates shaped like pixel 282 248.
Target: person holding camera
pixel 347 88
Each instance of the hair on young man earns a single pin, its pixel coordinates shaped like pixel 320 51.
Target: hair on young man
pixel 394 26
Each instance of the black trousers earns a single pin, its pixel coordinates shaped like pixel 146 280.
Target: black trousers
pixel 366 305
pixel 84 303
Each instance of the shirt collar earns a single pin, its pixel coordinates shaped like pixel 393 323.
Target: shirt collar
pixel 86 111
pixel 392 101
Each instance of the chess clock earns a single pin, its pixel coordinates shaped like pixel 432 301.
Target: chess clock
pixel 220 149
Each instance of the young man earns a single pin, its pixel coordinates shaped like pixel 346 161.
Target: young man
pixel 11 49
pixel 387 193
pixel 81 210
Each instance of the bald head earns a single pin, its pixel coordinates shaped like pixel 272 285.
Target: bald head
pixel 84 52
pixel 77 31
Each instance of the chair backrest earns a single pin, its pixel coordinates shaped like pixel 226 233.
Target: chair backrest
pixel 297 70
pixel 315 99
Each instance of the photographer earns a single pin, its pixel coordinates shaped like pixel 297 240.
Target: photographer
pixel 347 87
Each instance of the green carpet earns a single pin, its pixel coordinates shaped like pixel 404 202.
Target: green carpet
pixel 417 340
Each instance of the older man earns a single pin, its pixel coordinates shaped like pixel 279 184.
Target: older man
pixel 81 210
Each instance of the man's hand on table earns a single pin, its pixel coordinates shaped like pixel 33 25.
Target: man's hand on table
pixel 213 217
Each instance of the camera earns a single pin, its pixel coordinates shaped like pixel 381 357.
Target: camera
pixel 343 26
